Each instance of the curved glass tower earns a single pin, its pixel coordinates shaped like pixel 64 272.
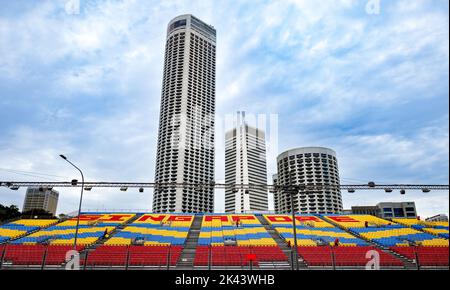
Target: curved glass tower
pixel 185 151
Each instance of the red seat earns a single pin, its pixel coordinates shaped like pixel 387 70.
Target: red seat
pixel 134 255
pixel 237 255
pixel 56 254
pixel 344 256
pixel 107 256
pixel 356 256
pixel 316 256
pixel 428 256
pixel 25 254
pixel 154 255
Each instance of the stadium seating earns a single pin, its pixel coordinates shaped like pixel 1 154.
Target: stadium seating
pixel 32 249
pixel 344 256
pixel 216 230
pixel 155 229
pixel 385 233
pixel 356 256
pixel 19 254
pixel 56 254
pixel 229 240
pixel 316 256
pixel 358 221
pixel 25 254
pixel 237 255
pixel 311 231
pixel 133 255
pixel 154 255
pixel 22 227
pixel 428 256
pixel 246 235
pixel 92 227
pixel 161 235
pixel 107 256
pixel 439 229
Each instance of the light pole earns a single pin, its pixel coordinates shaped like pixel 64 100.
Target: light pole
pixel 81 200
pixel 291 194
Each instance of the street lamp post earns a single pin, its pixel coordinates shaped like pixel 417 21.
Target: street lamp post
pixel 292 193
pixel 81 200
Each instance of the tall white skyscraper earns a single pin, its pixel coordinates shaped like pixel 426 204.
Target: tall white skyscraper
pixel 245 163
pixel 185 151
pixel 315 167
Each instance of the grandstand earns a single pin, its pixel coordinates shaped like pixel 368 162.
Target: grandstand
pixel 386 233
pixel 232 239
pixel 150 240
pixel 311 231
pixel 439 229
pixel 91 228
pixel 22 228
pixel 223 241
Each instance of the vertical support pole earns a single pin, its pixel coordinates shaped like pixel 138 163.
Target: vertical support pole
pixel 85 259
pixel 127 258
pixel 292 259
pixel 417 258
pixel 291 193
pixel 168 258
pixel 44 258
pixel 2 257
pixel 209 257
pixel 333 258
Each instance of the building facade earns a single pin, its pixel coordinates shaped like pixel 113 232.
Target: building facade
pixel 397 210
pixel 185 152
pixel 370 210
pixel 41 198
pixel 388 210
pixel 438 218
pixel 313 167
pixel 245 163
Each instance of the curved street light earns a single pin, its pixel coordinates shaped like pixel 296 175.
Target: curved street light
pixel 81 200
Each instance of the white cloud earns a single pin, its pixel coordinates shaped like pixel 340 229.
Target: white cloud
pixel 315 63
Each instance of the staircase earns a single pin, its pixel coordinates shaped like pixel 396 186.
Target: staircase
pixel 186 261
pixel 283 246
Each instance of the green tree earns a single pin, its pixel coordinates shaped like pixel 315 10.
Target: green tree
pixel 8 212
pixel 37 213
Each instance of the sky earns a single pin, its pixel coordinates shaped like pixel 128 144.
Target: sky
pixel 367 78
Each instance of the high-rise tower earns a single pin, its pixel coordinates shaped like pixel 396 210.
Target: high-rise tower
pixel 245 163
pixel 185 151
pixel 310 166
pixel 41 198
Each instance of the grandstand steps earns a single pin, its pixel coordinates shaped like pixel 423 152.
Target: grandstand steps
pixel 409 264
pixel 281 243
pixel 186 260
pixel 274 265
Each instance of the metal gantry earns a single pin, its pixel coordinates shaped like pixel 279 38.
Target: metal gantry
pixel 271 187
